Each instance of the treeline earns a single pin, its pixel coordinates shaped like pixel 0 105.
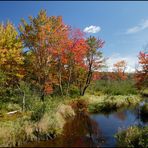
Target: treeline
pixel 53 58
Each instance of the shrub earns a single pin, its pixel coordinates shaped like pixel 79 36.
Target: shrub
pixel 14 133
pixel 133 137
pixel 79 105
pixel 102 107
pixel 38 111
pixel 112 103
pixel 74 91
pixel 113 87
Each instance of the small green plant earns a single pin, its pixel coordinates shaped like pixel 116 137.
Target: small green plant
pixel 74 91
pixel 133 137
pixel 38 111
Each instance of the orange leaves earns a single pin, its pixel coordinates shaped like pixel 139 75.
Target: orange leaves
pixel 79 50
pixel 48 88
pixel 74 48
pixel 96 76
pixel 143 58
pixel 141 75
pixel 57 49
pixel 120 65
pixel 119 69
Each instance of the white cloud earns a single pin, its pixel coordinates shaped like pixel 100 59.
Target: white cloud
pixel 92 29
pixel 143 25
pixel 131 62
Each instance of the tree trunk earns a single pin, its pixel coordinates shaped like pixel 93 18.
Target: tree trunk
pixel 68 85
pixel 89 76
pixel 23 108
pixel 42 97
pixel 60 84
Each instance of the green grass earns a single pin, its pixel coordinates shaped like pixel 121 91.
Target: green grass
pixel 112 87
pixel 41 121
pixel 133 137
pixel 112 103
pixel 145 92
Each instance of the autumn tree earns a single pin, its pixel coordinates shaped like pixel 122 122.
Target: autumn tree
pixel 11 57
pixel 141 75
pixel 59 56
pixel 119 70
pixel 93 61
pixel 75 53
pixel 43 36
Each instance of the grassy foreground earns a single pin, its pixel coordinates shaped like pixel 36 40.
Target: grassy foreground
pixel 45 120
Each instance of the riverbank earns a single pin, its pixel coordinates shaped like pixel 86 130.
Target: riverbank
pixel 46 120
pixel 134 136
pixel 108 103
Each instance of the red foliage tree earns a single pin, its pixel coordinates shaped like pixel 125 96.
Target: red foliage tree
pixel 141 75
pixel 119 70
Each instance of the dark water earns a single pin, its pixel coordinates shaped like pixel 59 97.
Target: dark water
pixel 94 130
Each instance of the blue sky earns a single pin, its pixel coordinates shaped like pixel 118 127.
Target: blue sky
pixel 123 25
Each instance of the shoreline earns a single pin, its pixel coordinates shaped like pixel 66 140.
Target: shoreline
pixel 51 125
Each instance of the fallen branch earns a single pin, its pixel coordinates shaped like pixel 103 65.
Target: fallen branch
pixel 12 112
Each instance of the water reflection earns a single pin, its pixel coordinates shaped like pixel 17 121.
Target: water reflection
pixel 110 124
pixel 120 115
pixel 81 131
pixel 96 130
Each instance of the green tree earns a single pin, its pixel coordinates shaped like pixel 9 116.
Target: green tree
pixel 94 60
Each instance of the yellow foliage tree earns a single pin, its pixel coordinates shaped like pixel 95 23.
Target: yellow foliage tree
pixel 11 57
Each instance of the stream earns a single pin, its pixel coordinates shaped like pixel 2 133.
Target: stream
pixel 95 130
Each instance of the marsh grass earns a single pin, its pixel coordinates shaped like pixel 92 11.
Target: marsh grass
pixel 45 120
pixel 111 87
pixel 134 136
pixel 112 103
pixel 42 121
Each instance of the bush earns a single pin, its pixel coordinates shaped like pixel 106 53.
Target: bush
pixel 113 87
pixel 38 111
pixel 102 107
pixel 14 133
pixel 74 91
pixel 112 103
pixel 79 105
pixel 133 137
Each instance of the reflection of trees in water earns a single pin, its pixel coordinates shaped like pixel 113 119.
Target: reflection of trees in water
pixel 120 115
pixel 139 118
pixel 135 110
pixel 82 131
pixel 144 118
